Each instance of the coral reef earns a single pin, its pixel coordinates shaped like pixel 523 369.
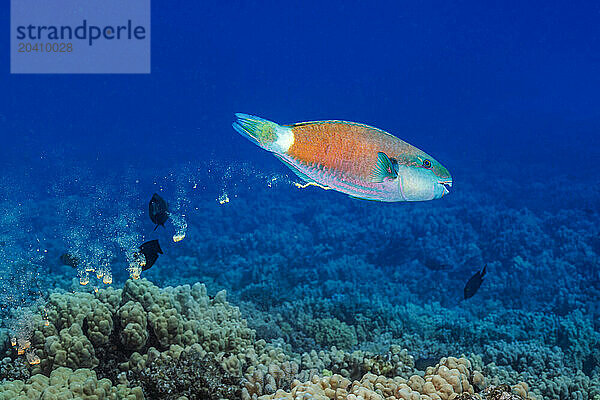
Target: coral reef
pixel 149 323
pixel 394 275
pixel 323 295
pixel 178 342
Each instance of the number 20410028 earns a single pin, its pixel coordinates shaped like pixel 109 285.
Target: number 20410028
pixel 45 47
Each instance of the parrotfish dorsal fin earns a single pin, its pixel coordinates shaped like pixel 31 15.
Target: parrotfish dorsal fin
pixel 384 169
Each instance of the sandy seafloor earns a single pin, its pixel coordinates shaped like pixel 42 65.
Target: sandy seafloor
pixel 310 269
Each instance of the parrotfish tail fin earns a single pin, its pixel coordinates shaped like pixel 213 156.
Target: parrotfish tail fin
pixel 266 134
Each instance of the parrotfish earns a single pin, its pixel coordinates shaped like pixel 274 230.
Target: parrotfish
pixel 353 158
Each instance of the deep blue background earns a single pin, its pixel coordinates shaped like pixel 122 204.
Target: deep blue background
pixel 466 81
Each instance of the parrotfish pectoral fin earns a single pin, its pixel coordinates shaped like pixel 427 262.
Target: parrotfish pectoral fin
pixel 384 169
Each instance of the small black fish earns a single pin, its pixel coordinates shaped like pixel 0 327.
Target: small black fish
pixel 70 260
pixel 474 282
pixel 158 210
pixel 435 264
pixel 423 363
pixel 150 250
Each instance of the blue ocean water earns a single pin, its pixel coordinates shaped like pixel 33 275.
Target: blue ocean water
pixel 503 95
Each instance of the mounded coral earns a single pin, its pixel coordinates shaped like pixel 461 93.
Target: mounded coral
pixel 185 334
pixel 70 349
pixel 450 378
pixel 99 323
pixel 65 383
pixel 14 369
pixel 133 321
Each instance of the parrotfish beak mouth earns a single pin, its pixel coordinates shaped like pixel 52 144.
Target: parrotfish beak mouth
pixel 447 185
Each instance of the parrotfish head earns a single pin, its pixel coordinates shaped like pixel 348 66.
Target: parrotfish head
pixel 421 177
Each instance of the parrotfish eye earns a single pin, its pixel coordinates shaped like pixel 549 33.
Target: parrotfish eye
pixel 426 163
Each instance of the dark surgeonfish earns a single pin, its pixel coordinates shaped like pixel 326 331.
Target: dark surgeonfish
pixel 70 260
pixel 150 250
pixel 474 282
pixel 158 209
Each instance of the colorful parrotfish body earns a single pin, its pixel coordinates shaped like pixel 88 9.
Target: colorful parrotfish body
pixel 352 158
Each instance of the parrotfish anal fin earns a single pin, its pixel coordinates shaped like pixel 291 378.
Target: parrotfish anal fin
pixel 384 169
pixel 298 173
pixel 363 199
